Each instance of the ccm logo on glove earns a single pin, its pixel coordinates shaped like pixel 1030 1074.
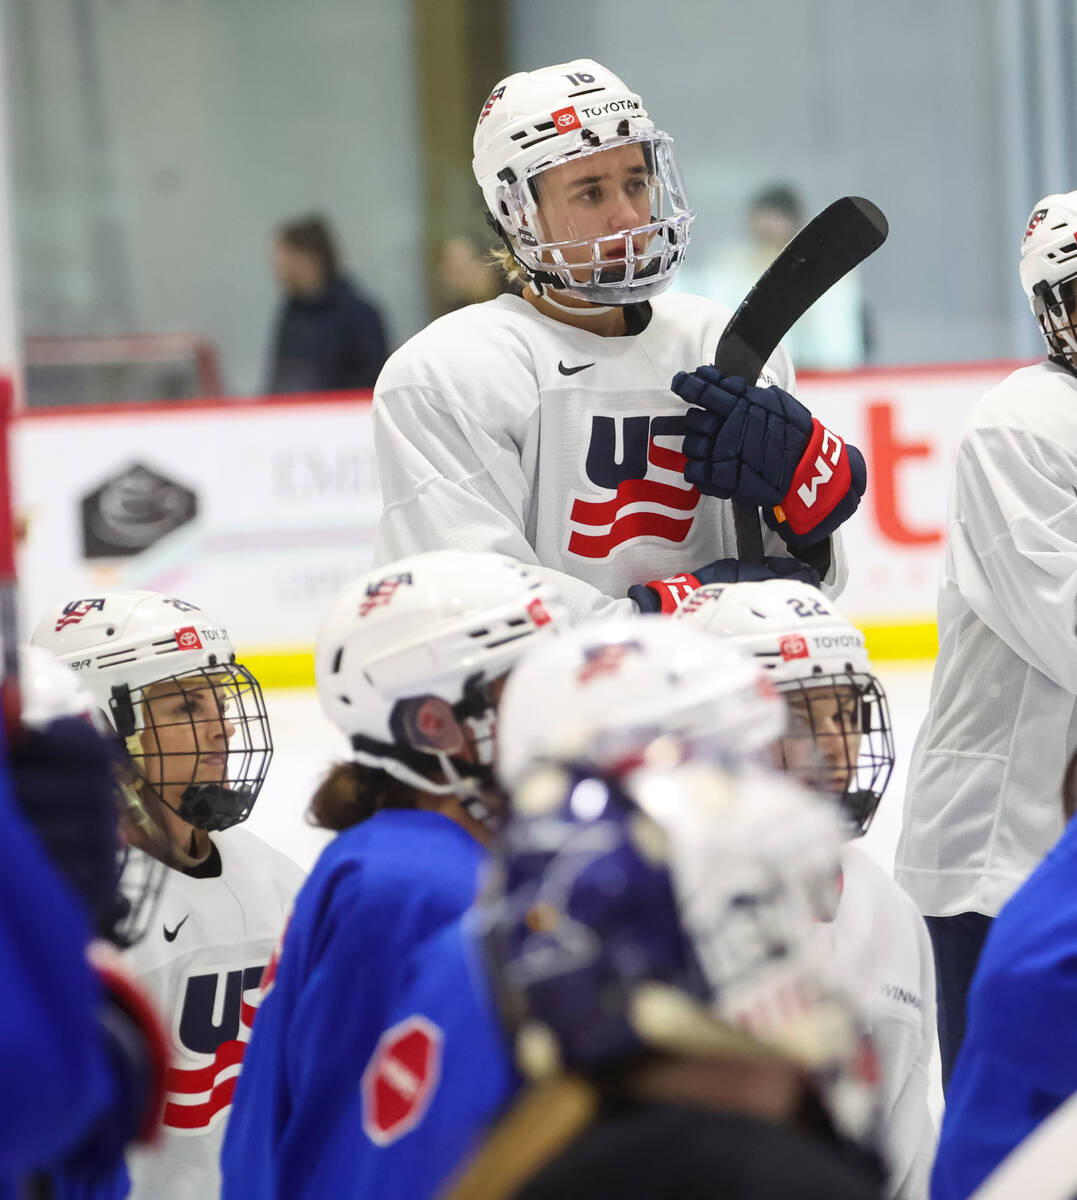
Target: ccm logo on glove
pixel 822 478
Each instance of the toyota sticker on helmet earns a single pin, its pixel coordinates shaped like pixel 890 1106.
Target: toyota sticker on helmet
pixel 565 119
pixel 188 639
pixel 793 646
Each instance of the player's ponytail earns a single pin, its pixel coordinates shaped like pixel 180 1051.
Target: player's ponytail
pixel 352 792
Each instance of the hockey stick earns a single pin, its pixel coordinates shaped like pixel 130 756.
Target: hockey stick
pixel 827 248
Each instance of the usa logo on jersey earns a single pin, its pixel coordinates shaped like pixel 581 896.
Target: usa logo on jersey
pixel 211 1031
pixel 636 470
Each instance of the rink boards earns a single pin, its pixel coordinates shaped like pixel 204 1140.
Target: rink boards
pixel 260 510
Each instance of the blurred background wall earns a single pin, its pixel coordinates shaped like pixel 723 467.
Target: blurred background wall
pixel 155 144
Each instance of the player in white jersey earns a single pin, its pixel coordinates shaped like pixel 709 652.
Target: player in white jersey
pixel 839 741
pixel 544 427
pixel 980 805
pixel 194 725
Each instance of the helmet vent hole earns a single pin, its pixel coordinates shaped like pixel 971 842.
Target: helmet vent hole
pixel 345 700
pixel 110 631
pixel 335 668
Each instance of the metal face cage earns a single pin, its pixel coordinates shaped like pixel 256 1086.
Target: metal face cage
pixel 840 741
pixel 200 742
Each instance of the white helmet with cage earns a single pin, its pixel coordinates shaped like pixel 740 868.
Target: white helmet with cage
pixel 165 676
pixel 607 689
pixel 818 660
pixel 536 122
pixel 1049 272
pixel 410 658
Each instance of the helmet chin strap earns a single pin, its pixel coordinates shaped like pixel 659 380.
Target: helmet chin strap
pixel 591 310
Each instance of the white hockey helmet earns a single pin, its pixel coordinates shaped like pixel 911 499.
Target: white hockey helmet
pixel 408 655
pixel 1049 270
pixel 606 690
pixel 535 122
pixel 818 660
pixel 165 676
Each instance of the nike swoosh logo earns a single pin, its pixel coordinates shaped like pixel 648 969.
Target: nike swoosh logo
pixel 573 370
pixel 170 934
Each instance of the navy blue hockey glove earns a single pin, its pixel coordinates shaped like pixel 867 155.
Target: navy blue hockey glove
pixel 664 595
pixel 762 446
pixel 65 788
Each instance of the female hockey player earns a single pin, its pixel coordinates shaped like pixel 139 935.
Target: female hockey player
pixel 195 729
pixel 651 935
pixel 639 679
pixel 839 742
pixel 980 809
pixel 626 493
pixel 410 664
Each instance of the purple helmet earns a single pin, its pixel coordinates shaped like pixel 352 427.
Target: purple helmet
pixel 666 910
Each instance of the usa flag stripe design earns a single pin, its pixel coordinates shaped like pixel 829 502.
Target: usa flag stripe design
pixel 594 514
pixel 192 1082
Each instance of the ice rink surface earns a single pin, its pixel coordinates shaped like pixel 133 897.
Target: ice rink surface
pixel 306 744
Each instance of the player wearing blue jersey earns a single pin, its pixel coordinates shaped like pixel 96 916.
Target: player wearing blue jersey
pixel 1018 1060
pixel 410 664
pixel 443 1069
pixel 82 1057
pixel 652 945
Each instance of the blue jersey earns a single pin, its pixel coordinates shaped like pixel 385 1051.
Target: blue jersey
pixel 1018 1061
pixel 56 1075
pixel 440 1074
pixel 376 892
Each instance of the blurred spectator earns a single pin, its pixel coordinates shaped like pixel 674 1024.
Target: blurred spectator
pixel 834 334
pixel 467 273
pixel 328 338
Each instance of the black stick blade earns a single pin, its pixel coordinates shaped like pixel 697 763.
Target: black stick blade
pixel 827 248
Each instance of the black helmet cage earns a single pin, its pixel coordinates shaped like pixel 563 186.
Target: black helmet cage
pixel 232 724
pixel 1055 307
pixel 868 719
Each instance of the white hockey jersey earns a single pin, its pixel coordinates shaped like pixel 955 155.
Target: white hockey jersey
pixel 982 802
pixel 202 962
pixel 881 944
pixel 499 428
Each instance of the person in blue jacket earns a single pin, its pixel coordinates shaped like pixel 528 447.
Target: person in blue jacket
pixel 1018 1061
pixel 82 1055
pixel 328 336
pixel 443 1029
pixel 409 665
